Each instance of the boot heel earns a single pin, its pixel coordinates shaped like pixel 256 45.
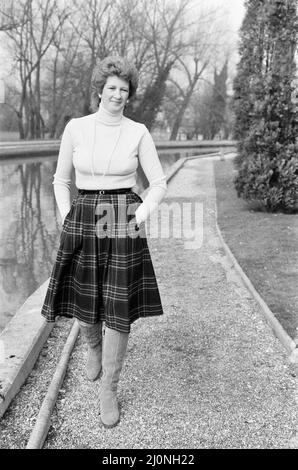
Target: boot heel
pixel 110 414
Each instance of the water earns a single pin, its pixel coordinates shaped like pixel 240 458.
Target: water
pixel 30 227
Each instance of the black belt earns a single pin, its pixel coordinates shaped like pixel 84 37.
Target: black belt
pixel 105 191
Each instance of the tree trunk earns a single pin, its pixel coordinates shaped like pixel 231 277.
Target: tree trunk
pixel 149 107
pixel 180 114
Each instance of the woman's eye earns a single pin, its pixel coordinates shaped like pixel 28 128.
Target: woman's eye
pixel 122 89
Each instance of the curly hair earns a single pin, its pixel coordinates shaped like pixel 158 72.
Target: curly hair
pixel 109 66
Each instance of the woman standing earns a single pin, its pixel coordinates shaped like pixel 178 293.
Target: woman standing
pixel 103 271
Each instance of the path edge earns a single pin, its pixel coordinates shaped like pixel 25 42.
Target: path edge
pixel 288 343
pixel 21 342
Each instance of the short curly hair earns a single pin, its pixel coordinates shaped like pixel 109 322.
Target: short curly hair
pixel 109 66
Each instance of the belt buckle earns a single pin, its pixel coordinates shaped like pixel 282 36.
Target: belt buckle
pixel 101 191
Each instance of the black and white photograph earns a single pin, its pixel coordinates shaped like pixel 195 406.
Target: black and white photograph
pixel 148 228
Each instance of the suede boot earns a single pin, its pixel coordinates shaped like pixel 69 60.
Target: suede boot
pixel 92 334
pixel 114 349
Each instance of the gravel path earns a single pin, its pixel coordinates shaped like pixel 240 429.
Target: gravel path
pixel 207 374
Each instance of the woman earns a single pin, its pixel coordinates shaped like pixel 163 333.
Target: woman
pixel 103 271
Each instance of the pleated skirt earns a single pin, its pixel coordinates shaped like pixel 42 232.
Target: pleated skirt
pixel 103 269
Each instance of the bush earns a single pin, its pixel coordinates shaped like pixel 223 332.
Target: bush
pixel 267 159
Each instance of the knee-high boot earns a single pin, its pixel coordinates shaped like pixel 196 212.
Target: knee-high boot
pixel 114 349
pixel 92 333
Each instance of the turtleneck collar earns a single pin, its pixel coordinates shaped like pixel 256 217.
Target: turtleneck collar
pixel 106 117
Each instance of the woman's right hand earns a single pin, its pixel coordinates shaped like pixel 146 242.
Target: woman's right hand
pixel 64 217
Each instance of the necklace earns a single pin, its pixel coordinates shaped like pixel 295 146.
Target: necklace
pixel 112 152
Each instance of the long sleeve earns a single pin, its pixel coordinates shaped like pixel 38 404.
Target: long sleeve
pixel 62 177
pixel 157 179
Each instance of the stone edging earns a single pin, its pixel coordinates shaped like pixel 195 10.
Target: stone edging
pixel 288 343
pixel 43 420
pixel 21 342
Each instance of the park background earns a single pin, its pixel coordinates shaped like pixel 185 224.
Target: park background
pixel 211 373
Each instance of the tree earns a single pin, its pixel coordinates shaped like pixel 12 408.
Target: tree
pixel 209 108
pixel 163 29
pixel 201 61
pixel 61 86
pixel 266 112
pixel 8 21
pixel 36 25
pixel 249 68
pixel 186 93
pixel 219 100
pixel 56 44
pixel 98 24
pixel 213 114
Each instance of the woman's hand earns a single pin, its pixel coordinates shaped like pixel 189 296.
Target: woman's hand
pixel 63 216
pixel 141 214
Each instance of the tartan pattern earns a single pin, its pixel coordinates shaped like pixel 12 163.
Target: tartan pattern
pixel 103 271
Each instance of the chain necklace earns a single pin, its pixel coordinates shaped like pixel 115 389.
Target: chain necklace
pixel 112 152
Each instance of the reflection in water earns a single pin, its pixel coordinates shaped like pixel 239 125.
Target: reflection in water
pixel 30 228
pixel 29 232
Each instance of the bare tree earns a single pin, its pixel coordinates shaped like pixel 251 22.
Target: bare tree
pixel 56 45
pixel 137 47
pixel 98 28
pixel 164 29
pixel 61 86
pixel 7 20
pixel 31 38
pixel 201 58
pixel 187 91
pixel 210 108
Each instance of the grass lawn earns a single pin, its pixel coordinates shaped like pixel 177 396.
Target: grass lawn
pixel 265 245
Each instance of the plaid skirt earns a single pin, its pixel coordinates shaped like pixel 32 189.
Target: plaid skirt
pixel 103 270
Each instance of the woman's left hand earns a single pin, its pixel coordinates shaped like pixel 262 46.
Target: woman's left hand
pixel 141 214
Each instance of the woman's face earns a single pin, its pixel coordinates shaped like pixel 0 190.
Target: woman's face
pixel 115 94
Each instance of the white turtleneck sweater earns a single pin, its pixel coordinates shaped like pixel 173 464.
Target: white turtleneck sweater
pixel 104 150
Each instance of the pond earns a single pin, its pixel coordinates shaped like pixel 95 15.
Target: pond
pixel 30 226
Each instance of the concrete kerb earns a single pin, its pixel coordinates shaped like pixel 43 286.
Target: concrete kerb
pixel 21 342
pixel 174 168
pixel 43 420
pixel 24 336
pixel 288 343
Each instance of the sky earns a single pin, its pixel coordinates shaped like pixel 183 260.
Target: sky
pixel 235 10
